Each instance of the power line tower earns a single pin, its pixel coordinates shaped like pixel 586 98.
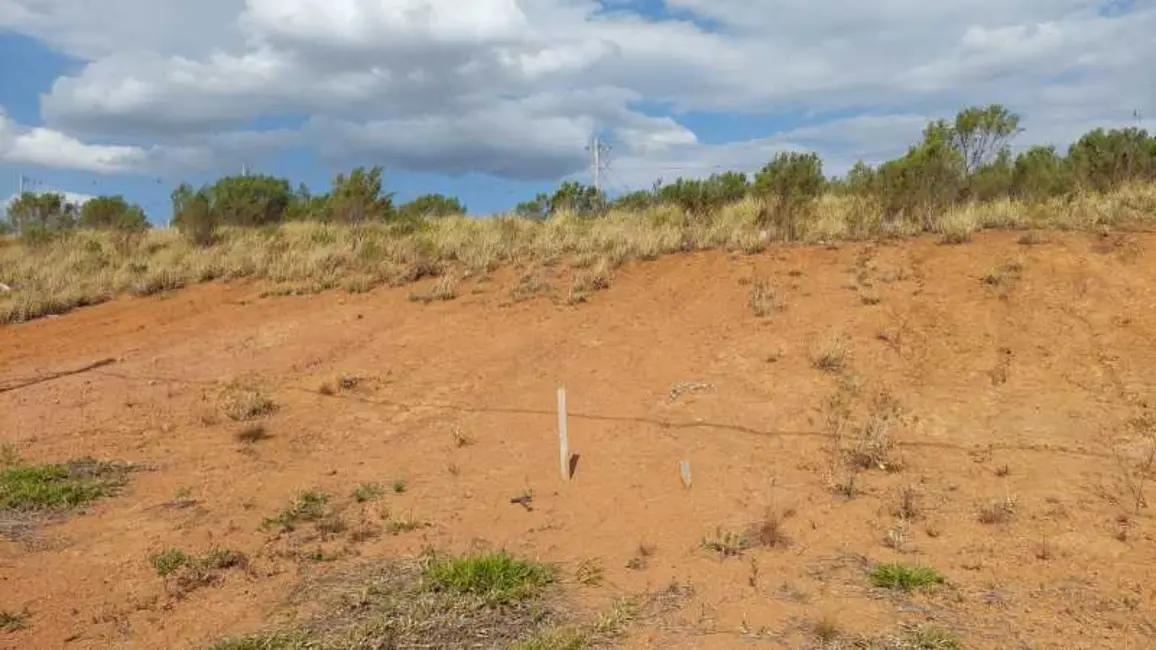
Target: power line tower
pixel 599 159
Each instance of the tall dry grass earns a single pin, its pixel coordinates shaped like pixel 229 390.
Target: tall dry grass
pixel 85 267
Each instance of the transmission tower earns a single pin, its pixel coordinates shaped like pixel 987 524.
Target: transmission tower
pixel 599 159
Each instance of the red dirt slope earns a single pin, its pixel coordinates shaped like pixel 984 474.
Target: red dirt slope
pixel 1023 375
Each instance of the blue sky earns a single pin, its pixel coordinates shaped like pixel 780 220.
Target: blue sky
pixel 493 101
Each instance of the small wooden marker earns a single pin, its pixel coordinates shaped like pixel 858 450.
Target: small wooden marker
pixel 684 471
pixel 563 439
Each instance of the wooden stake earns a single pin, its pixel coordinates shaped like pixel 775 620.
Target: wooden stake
pixel 563 438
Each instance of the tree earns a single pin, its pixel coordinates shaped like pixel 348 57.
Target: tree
pixel 536 210
pixel 431 206
pixel 584 200
pixel 1102 160
pixel 790 184
pixel 980 134
pixel 925 181
pixel 359 197
pixel 992 180
pixel 112 213
pixel 42 212
pixel 699 196
pixel 193 214
pixel 636 200
pixel 1040 173
pixel 860 179
pixel 305 206
pixel 250 200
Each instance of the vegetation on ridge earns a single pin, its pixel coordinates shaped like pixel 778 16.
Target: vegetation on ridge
pixel 960 178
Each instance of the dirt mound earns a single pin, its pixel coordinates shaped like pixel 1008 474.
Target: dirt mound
pixel 911 442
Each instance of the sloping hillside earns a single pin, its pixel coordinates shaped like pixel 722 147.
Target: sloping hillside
pixel 984 410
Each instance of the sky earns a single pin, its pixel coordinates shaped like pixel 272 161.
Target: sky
pixel 496 100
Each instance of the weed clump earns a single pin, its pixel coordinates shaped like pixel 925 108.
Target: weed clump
pixel 12 621
pixel 308 506
pixel 242 403
pixel 495 578
pixel 902 577
pixel 56 487
pixel 194 571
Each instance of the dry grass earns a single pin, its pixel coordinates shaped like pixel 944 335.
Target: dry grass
pixel 86 268
pixel 241 401
pixel 771 532
pixel 763 299
pixel 829 354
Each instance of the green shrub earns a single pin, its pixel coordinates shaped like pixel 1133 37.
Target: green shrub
pixel 193 215
pixel 791 185
pixel 431 206
pixel 112 213
pixel 359 197
pixel 250 200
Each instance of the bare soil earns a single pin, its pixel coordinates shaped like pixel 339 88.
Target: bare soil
pixel 1023 378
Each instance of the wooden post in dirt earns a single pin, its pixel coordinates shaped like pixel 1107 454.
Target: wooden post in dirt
pixel 684 472
pixel 563 438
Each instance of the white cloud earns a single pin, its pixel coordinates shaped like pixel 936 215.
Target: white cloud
pixel 513 87
pixel 41 146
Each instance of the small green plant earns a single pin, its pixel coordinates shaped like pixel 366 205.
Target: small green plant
pixel 399 486
pixel 902 577
pixel 193 571
pixel 308 506
pixel 367 492
pixel 496 578
pixel 168 561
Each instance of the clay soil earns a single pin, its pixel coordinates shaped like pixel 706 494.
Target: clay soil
pixel 1023 376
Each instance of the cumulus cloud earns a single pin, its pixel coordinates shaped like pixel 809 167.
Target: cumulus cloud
pixel 41 146
pixel 514 87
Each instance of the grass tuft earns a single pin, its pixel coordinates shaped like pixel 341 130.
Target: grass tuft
pixel 242 403
pixel 193 571
pixel 496 578
pixel 367 492
pixel 11 621
pixel 308 506
pixel 829 354
pixel 56 487
pixel 902 577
